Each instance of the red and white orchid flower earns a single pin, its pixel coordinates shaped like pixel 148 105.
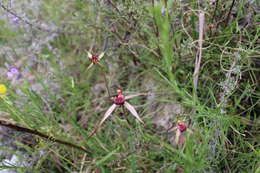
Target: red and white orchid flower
pixel 180 136
pixel 120 100
pixel 95 59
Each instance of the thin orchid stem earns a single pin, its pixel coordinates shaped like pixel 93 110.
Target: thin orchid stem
pixel 105 79
pixel 93 132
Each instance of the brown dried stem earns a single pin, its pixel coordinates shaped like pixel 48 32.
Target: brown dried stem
pixel 35 132
pixel 199 52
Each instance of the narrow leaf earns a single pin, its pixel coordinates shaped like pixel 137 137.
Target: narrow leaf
pixel 105 158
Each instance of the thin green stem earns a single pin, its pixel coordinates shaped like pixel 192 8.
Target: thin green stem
pixel 105 79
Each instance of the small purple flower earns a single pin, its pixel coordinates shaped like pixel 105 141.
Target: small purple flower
pixel 14 70
pixel 15 20
pixel 13 73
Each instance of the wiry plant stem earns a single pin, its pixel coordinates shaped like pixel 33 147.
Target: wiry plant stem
pixel 33 26
pixel 199 52
pixel 93 132
pixel 106 81
pixel 229 13
pixel 35 132
pixel 215 10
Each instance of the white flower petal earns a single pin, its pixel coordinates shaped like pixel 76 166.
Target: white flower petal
pixel 135 95
pixel 108 113
pixel 89 55
pixel 177 136
pixel 133 111
pixel 101 55
pixel 90 66
pixel 100 65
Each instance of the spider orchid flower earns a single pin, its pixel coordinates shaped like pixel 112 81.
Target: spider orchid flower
pixel 181 127
pixel 95 59
pixel 120 100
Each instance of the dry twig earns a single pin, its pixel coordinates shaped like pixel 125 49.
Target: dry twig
pixel 199 52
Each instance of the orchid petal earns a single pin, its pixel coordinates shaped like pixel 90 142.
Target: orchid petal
pixel 89 55
pixel 133 111
pixel 177 136
pixel 172 129
pixel 100 65
pixel 90 66
pixel 108 113
pixel 134 95
pixel 101 55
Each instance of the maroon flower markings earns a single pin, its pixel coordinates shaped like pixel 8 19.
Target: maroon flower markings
pixel 120 100
pixel 181 126
pixel 95 59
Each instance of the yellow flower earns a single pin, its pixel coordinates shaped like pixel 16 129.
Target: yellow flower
pixel 3 90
